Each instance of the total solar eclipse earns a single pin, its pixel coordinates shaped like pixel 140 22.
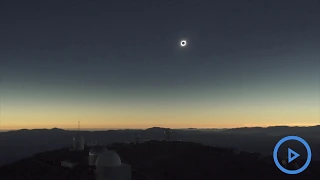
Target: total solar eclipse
pixel 183 43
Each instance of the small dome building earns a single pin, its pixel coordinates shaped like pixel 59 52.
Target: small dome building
pixel 78 142
pixel 108 159
pixel 94 153
pixel 110 167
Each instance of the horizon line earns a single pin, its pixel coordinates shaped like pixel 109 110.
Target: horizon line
pixel 99 129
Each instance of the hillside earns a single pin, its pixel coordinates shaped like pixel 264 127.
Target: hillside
pixel 159 160
pixel 261 140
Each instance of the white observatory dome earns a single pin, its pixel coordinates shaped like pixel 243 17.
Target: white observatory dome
pixel 94 153
pixel 78 142
pixel 108 159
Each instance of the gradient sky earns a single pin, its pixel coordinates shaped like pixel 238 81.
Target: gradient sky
pixel 118 63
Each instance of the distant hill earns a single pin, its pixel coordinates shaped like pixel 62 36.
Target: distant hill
pixel 18 144
pixel 156 129
pixel 278 130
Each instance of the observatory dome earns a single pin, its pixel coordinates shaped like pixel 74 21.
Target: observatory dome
pixel 94 153
pixel 96 150
pixel 78 142
pixel 108 159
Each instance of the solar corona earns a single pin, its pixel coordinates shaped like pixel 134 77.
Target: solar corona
pixel 183 43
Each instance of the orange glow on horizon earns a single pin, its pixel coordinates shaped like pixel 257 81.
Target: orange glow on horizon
pixel 142 116
pixel 146 126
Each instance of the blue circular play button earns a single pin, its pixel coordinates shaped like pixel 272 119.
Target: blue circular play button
pixel 292 155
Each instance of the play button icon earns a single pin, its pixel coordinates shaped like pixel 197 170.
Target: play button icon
pixel 292 155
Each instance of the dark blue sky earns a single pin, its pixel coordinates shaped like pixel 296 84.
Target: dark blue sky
pixel 131 47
